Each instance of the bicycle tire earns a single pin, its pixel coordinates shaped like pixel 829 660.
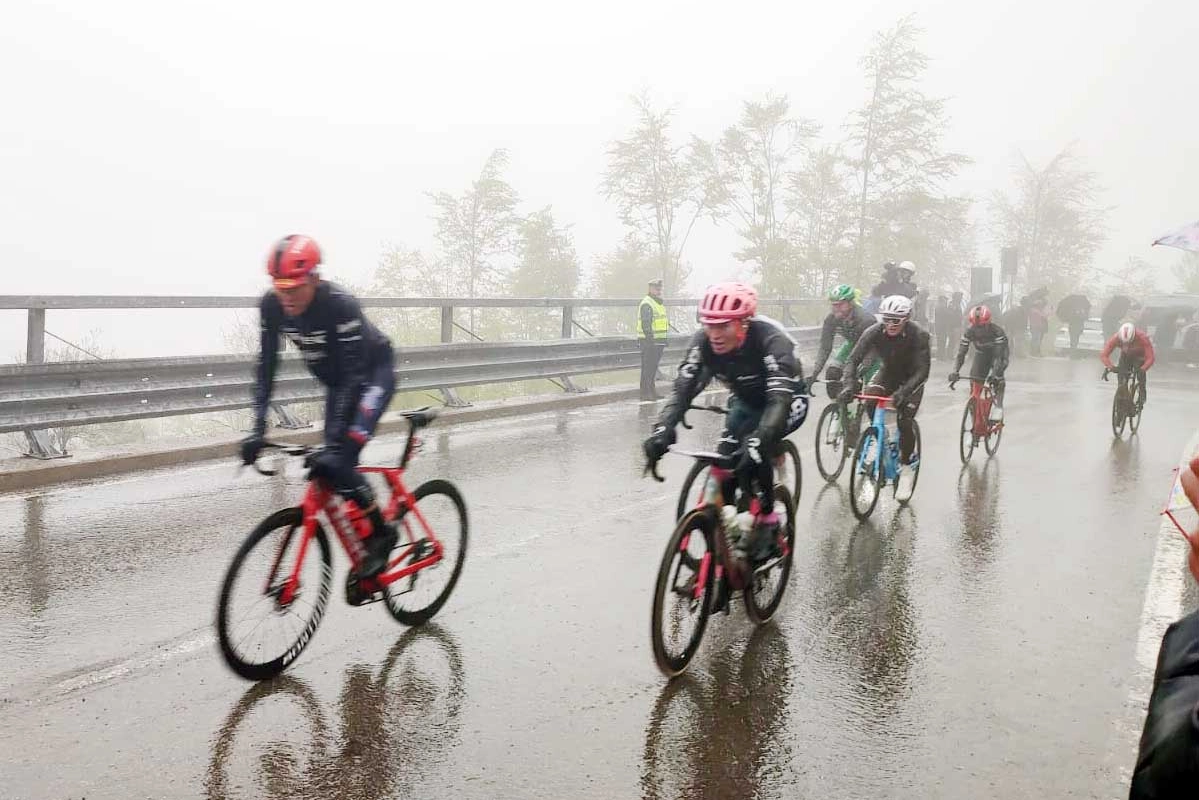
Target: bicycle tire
pixel 703 522
pixel 831 411
pixel 994 435
pixel 1134 419
pixel 967 431
pixel 859 474
pixel 683 505
pixel 391 597
pixel 293 519
pixel 762 612
pixel 1118 415
pixel 788 448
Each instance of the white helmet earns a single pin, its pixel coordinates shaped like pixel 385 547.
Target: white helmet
pixel 907 266
pixel 895 307
pixel 1127 332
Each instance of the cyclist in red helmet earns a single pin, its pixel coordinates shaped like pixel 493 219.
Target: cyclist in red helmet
pixel 990 354
pixel 755 358
pixel 1136 354
pixel 346 353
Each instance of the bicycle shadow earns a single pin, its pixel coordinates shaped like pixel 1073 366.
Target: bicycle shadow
pixel 718 736
pixel 393 727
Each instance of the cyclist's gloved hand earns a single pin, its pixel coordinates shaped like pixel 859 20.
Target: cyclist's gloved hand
pixel 954 378
pixel 751 453
pixel 1106 371
pixel 658 443
pixel 847 393
pixel 899 399
pixel 250 447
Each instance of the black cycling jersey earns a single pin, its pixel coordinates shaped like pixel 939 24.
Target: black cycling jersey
pixel 340 347
pixel 988 339
pixel 764 373
pixel 886 288
pixel 851 329
pixel 906 357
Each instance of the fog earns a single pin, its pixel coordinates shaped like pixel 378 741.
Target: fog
pixel 159 148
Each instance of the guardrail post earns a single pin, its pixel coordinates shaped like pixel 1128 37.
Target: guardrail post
pixel 568 329
pixel 449 395
pixel 40 445
pixel 35 337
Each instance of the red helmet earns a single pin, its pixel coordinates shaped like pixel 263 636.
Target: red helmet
pixel 727 301
pixel 291 260
pixel 979 315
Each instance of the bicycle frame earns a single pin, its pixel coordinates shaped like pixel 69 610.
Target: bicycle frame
pixel 983 397
pixel 400 507
pixel 879 423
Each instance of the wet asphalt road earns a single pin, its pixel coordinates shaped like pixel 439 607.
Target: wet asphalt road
pixel 975 645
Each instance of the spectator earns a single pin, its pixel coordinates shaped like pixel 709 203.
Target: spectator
pixel 1113 314
pixel 1168 757
pixel 652 327
pixel 1074 310
pixel 1038 324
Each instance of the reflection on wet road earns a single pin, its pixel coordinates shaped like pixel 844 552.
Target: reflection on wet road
pixel 977 644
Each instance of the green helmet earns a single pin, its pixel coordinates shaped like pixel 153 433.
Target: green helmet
pixel 842 293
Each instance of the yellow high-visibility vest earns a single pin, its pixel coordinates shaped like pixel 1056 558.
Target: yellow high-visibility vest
pixel 660 322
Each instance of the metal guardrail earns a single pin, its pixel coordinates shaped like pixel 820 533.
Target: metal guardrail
pixel 39 396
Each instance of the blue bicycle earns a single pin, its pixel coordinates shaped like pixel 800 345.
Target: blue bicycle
pixel 877 461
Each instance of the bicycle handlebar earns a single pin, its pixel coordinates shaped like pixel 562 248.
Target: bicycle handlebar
pixel 289 449
pixel 884 399
pixel 713 409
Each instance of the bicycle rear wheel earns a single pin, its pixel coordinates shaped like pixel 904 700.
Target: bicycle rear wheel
pixel 683 592
pixel 692 490
pixel 966 439
pixel 994 434
pixel 866 477
pixel 414 599
pixel 832 438
pixel 790 472
pixel 1134 417
pixel 285 614
pixel 769 580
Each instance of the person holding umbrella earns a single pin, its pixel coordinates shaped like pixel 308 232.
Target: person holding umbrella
pixel 1073 309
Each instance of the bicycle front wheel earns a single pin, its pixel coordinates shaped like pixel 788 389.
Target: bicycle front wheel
pixel 966 439
pixel 1134 415
pixel 866 478
pixel 683 592
pixel 832 439
pixel 273 596
pixel 1118 411
pixel 415 598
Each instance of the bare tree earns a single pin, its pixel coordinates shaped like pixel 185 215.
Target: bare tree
pixel 657 189
pixel 1055 219
pixel 896 141
pixel 747 170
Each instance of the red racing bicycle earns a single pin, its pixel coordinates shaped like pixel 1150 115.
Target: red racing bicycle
pixel 977 424
pixel 289 588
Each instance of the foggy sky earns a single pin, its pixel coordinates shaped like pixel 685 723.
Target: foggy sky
pixel 161 147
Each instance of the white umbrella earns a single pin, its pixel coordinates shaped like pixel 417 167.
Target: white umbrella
pixel 1185 238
